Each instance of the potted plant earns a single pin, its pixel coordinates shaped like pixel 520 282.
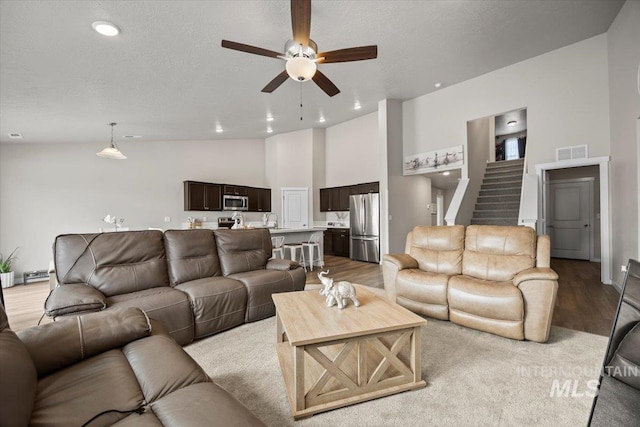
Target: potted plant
pixel 6 273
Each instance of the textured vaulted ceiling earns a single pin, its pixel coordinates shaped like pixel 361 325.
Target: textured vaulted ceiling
pixel 167 78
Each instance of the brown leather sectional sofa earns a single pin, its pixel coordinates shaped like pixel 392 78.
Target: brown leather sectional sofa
pixel 195 282
pixel 110 368
pixel 491 278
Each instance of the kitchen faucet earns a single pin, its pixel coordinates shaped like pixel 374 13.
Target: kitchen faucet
pixel 269 216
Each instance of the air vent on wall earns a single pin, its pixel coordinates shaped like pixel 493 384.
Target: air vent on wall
pixel 15 135
pixel 570 153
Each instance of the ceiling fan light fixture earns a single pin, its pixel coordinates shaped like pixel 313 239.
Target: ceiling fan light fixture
pixel 512 123
pixel 106 28
pixel 301 69
pixel 112 151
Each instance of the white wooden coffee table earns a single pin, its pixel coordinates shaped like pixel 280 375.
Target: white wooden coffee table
pixel 332 358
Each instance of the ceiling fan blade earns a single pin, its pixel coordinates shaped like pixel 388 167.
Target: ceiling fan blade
pixel 275 83
pixel 325 84
pixel 250 49
pixel 301 21
pixel 350 54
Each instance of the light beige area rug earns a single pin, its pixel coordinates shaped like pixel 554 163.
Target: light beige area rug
pixel 473 379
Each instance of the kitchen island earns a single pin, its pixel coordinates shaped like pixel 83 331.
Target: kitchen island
pixel 300 235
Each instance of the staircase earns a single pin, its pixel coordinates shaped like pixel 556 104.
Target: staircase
pixel 499 199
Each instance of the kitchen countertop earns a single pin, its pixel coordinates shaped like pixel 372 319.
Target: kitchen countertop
pixel 295 230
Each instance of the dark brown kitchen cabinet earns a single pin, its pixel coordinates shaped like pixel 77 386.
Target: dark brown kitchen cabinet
pixel 336 199
pixel 259 199
pixel 370 187
pixel 336 242
pixel 325 199
pixel 343 197
pixel 235 190
pixel 202 196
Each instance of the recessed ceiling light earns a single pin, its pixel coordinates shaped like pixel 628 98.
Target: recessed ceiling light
pixel 15 135
pixel 357 106
pixel 512 123
pixel 269 118
pixel 269 130
pixel 106 28
pixel 438 85
pixel 322 119
pixel 446 173
pixel 218 129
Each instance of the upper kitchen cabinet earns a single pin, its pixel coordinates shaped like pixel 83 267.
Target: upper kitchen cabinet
pixel 259 199
pixel 202 196
pixel 337 198
pixel 235 190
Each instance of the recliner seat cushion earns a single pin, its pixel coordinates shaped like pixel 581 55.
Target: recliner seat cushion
pixel 218 303
pixel 498 252
pixel 72 396
pixel 113 263
pixel 423 292
pixel 495 307
pixel 167 305
pixel 260 285
pixel 191 255
pixel 625 365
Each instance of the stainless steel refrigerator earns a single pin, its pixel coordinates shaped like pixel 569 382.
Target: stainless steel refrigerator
pixel 364 215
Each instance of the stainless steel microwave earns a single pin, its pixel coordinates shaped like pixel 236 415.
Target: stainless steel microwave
pixel 235 203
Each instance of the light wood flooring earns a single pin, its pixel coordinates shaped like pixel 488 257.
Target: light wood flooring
pixel 583 302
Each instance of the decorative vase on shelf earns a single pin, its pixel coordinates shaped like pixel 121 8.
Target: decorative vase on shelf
pixel 7 279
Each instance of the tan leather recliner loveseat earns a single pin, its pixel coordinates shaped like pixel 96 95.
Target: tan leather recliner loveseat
pixel 495 279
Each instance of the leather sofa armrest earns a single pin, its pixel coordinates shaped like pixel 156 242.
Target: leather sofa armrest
pixel 391 265
pixel 74 298
pixel 281 264
pixel 401 261
pixel 539 287
pixel 56 345
pixel 535 274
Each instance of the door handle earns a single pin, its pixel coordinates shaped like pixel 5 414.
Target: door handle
pixel 586 225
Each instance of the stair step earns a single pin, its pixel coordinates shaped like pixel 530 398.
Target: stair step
pixel 508 198
pixel 500 192
pixel 503 171
pixel 505 164
pixel 503 213
pixel 496 206
pixel 489 179
pixel 502 184
pixel 494 221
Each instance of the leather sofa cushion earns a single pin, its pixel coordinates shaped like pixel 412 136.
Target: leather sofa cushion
pixel 625 365
pixel 191 255
pixel 260 285
pixel 166 305
pixel 162 367
pixel 18 379
pixel 53 346
pixel 218 303
pixel 72 396
pixel 438 249
pixel 422 286
pixel 221 409
pixel 113 263
pixel 74 298
pixel 487 299
pixel 243 250
pixel 498 252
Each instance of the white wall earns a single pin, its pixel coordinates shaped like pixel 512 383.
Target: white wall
pixel 289 164
pixel 565 92
pixel 475 159
pixel 50 189
pixel 623 40
pixel 352 152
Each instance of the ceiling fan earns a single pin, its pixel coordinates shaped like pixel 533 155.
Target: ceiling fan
pixel 302 54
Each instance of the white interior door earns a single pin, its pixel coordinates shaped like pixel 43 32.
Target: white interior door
pixel 295 207
pixel 569 219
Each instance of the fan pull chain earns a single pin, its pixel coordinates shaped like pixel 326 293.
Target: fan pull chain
pixel 300 100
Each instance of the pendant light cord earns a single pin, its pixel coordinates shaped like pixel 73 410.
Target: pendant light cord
pixel 300 100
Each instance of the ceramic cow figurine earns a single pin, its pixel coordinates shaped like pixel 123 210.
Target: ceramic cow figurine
pixel 337 293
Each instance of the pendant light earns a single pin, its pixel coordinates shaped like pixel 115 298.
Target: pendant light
pixel 112 152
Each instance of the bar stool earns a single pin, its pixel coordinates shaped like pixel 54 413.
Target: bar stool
pixel 276 246
pixel 311 245
pixel 293 249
